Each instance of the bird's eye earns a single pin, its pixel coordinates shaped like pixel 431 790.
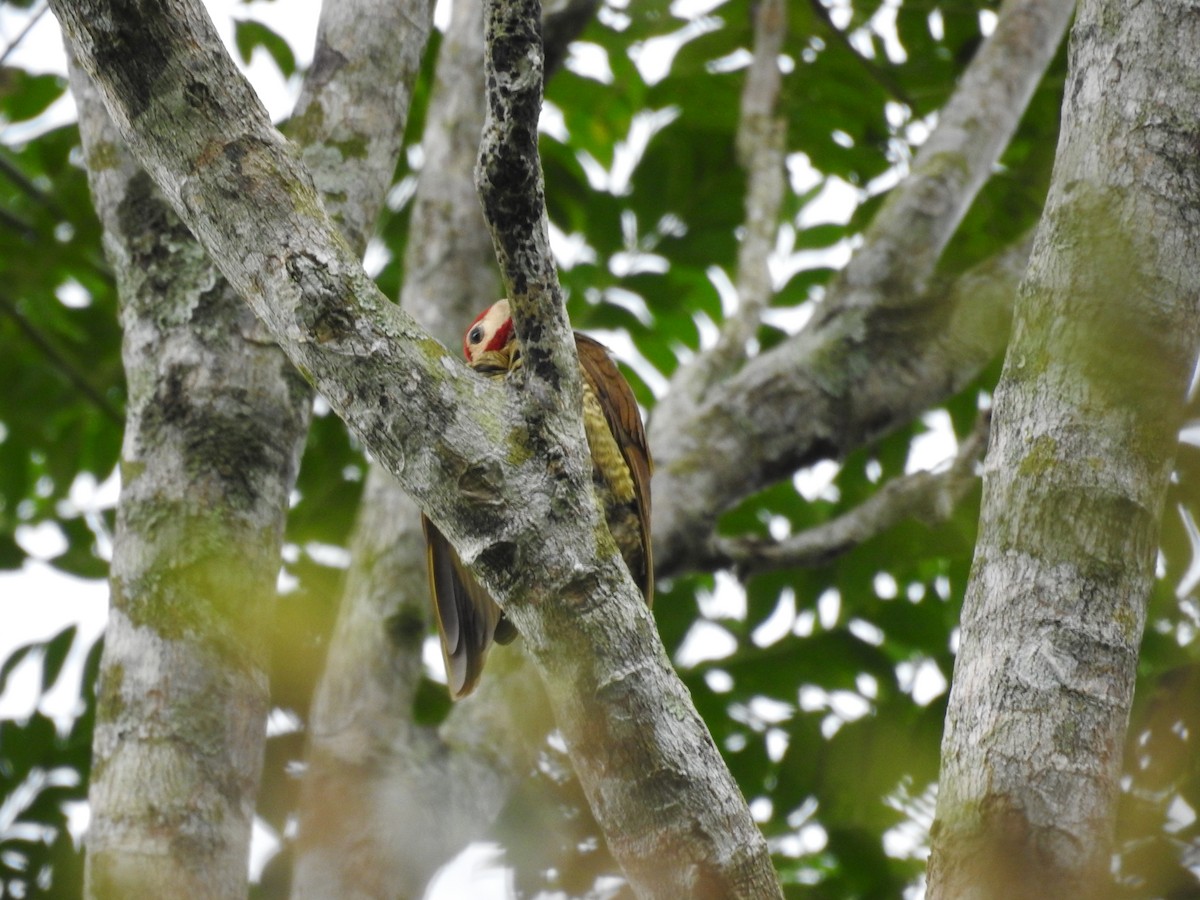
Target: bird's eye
pixel 475 335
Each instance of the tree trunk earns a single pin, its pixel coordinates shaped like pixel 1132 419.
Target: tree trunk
pixel 215 424
pixel 216 421
pixel 1086 425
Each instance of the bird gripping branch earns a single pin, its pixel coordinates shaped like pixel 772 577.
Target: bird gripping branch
pixel 468 619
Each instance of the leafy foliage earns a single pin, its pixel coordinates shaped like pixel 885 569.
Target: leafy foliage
pixel 824 688
pixel 248 35
pixel 60 413
pixel 42 771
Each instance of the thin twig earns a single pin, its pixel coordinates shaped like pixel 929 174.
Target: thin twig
pixel 14 174
pixel 930 497
pixel 7 219
pixel 29 26
pixel 563 22
pixel 878 74
pixel 72 372
pixel 16 223
pixel 761 146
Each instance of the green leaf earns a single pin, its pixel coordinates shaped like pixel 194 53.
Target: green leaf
pixel 24 96
pixel 55 655
pixel 248 35
pixel 11 554
pixel 431 704
pixel 14 659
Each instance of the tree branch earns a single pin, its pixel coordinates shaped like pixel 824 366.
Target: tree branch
pixel 562 22
pixel 509 179
pixel 874 354
pixel 911 363
pixel 520 514
pixel 904 242
pixel 185 327
pixel 212 420
pixel 670 811
pixel 10 171
pixel 877 73
pixel 29 26
pixel 930 497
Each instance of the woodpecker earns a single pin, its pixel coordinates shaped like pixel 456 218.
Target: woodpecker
pixel 468 619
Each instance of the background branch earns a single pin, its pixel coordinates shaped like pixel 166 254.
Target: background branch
pixel 156 777
pixel 929 497
pixel 760 139
pixel 368 762
pixel 908 364
pixel 184 325
pixel 868 360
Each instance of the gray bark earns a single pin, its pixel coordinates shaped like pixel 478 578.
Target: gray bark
pixel 881 348
pixel 215 425
pixel 1086 424
pixel 216 421
pixel 471 452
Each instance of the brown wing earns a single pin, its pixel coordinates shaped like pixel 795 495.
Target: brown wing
pixel 625 422
pixel 468 619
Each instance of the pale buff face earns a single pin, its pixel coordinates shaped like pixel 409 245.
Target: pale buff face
pixel 488 333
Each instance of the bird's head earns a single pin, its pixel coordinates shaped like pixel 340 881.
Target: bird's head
pixel 491 339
